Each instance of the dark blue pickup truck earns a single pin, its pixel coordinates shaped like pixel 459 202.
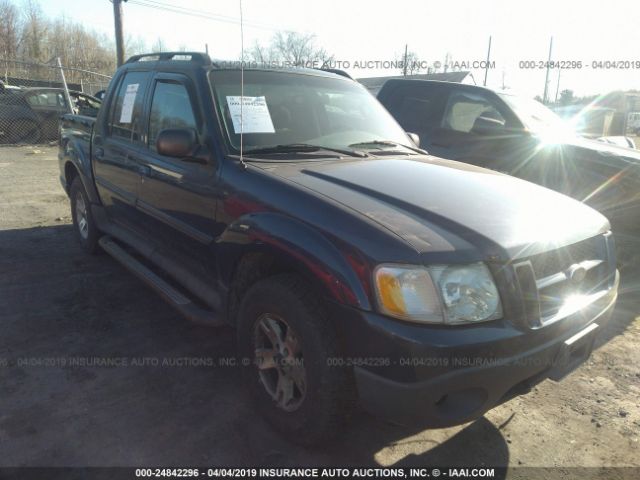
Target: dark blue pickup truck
pixel 354 266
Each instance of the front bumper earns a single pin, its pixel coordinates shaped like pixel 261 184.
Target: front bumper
pixel 444 376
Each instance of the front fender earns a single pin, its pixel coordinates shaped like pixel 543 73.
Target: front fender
pixel 300 245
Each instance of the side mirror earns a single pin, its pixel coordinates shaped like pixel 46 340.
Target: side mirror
pixel 415 138
pixel 176 142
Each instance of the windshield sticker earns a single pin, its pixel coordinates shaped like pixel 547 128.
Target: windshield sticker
pixel 127 104
pixel 255 115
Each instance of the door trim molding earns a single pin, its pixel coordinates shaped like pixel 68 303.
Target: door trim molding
pixel 174 222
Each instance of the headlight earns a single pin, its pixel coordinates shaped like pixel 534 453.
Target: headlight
pixel 407 292
pixel 468 293
pixel 438 294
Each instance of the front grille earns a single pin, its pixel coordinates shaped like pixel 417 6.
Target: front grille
pixel 554 261
pixel 557 278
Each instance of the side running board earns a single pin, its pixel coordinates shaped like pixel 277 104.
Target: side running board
pixel 183 304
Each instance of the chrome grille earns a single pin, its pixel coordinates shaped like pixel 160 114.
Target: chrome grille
pixel 554 261
pixel 578 269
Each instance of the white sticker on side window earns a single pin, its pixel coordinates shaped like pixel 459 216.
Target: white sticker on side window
pixel 127 104
pixel 255 115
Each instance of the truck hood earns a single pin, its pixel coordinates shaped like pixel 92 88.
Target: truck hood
pixel 626 155
pixel 440 205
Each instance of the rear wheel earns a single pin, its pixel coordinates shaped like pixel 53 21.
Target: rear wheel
pixel 83 222
pixel 288 343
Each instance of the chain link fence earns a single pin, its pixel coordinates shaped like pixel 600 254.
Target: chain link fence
pixel 33 96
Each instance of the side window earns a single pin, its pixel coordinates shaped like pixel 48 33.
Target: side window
pixel 171 107
pixel 46 99
pixel 126 109
pixel 472 113
pixel 34 100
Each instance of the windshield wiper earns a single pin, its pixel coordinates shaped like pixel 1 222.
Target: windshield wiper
pixel 303 148
pixel 388 143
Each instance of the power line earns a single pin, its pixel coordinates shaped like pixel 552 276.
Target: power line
pixel 167 7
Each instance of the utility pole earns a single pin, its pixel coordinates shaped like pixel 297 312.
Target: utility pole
pixel 404 67
pixel 486 68
pixel 545 97
pixel 117 18
pixel 558 85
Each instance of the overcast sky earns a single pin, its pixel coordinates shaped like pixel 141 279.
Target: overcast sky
pixel 355 30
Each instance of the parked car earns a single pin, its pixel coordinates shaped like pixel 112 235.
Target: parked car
pixel 619 140
pixel 521 137
pixel 633 122
pixel 31 115
pixel 353 265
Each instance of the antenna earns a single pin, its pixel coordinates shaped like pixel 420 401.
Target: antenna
pixel 244 165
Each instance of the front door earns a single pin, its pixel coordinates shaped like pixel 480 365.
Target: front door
pixel 178 195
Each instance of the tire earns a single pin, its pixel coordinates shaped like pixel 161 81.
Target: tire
pixel 26 131
pixel 84 225
pixel 317 398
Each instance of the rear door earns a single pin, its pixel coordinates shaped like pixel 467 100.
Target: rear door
pixel 178 196
pixel 117 144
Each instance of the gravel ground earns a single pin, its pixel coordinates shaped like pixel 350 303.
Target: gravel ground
pixel 58 305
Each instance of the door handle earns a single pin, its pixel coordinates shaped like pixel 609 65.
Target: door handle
pixel 99 153
pixel 138 165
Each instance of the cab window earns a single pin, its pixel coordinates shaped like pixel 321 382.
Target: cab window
pixel 472 113
pixel 127 106
pixel 171 107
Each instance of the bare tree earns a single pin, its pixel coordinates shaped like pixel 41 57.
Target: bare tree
pixel 134 45
pixel 291 47
pixel 413 62
pixel 261 54
pixel 159 46
pixel 9 29
pixel 34 30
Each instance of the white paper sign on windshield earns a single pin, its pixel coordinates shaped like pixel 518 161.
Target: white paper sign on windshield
pixel 255 115
pixel 127 104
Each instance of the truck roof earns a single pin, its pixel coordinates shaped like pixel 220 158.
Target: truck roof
pixel 187 60
pixel 466 86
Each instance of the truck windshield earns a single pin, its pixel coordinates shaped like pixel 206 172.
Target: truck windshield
pixel 535 116
pixel 284 109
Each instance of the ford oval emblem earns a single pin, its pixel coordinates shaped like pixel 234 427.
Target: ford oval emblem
pixel 576 274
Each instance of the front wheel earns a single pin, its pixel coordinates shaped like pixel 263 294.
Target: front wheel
pixel 83 222
pixel 289 343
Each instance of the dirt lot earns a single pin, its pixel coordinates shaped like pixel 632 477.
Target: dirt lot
pixel 58 305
